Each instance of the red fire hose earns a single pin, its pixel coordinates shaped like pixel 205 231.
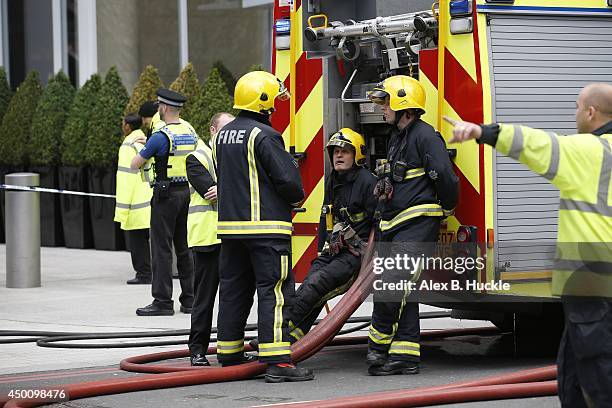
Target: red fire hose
pixel 316 339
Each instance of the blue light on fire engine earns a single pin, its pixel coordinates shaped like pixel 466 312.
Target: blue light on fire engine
pixel 282 26
pixel 460 7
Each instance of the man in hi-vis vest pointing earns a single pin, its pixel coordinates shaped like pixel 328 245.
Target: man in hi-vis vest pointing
pixel 581 167
pixel 133 202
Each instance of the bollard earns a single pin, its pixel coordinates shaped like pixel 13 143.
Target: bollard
pixel 22 232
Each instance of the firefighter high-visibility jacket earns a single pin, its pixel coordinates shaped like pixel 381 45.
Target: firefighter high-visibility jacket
pixel 202 217
pixel 133 201
pixel 258 180
pixel 428 186
pixel 580 166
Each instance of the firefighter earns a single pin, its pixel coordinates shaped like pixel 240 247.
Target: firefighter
pixel 418 187
pixel 169 145
pixel 133 202
pixel 203 241
pixel 581 167
pixel 348 210
pixel 258 184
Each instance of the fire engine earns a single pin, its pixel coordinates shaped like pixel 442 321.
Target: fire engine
pixel 514 61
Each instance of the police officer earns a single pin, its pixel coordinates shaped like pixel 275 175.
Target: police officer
pixel 258 184
pixel 581 167
pixel 169 146
pixel 419 188
pixel 133 202
pixel 202 239
pixel 346 219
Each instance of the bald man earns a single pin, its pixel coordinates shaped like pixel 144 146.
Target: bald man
pixel 580 166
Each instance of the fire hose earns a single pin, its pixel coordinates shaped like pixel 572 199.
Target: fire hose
pixel 317 338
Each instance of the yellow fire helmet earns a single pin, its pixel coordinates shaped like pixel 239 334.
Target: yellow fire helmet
pixel 257 90
pixel 346 137
pixel 404 92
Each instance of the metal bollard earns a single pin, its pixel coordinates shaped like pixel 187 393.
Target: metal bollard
pixel 22 232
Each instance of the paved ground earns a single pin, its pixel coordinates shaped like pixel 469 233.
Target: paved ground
pixel 85 291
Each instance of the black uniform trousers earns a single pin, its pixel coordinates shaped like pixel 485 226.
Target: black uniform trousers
pixel 206 283
pixel 140 251
pixel 246 265
pixel 329 276
pixel 585 354
pixel 168 226
pixel 395 327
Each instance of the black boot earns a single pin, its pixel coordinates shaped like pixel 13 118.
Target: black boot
pixel 376 358
pixel 154 310
pixel 392 367
pixel 139 281
pixel 277 373
pixel 246 358
pixel 199 360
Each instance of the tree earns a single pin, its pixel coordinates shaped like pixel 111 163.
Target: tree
pixel 145 89
pixel 104 134
pixel 74 136
pixel 214 98
pixel 5 93
pixel 188 85
pixel 17 122
pixel 226 75
pixel 49 119
pixel 255 67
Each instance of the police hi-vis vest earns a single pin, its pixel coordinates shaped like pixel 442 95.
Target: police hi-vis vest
pixel 202 217
pixel 580 166
pixel 183 140
pixel 133 196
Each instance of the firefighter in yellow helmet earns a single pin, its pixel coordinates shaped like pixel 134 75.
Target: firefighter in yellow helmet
pixel 580 166
pixel 418 188
pixel 346 220
pixel 258 183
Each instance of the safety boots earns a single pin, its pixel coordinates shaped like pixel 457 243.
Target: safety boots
pixel 277 373
pixel 392 367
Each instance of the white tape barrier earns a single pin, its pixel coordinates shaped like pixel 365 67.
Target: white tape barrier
pixel 52 190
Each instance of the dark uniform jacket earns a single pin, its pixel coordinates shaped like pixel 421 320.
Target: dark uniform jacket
pixel 258 181
pixel 351 197
pixel 429 179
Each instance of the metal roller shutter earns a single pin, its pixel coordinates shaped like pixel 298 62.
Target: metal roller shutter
pixel 539 64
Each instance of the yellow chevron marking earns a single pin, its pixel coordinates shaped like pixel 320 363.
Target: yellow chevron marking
pixel 313 205
pixel 299 245
pixel 462 48
pixel 431 101
pixel 467 153
pixel 282 65
pixel 309 118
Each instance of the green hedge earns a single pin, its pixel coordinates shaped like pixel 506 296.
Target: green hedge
pixel 17 122
pixel 5 93
pixel 214 98
pixel 49 119
pixel 227 76
pixel 74 136
pixel 188 85
pixel 104 134
pixel 145 89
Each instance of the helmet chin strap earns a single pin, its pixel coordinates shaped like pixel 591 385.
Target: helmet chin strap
pixel 398 117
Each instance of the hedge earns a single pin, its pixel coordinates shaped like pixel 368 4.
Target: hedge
pixel 188 85
pixel 145 89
